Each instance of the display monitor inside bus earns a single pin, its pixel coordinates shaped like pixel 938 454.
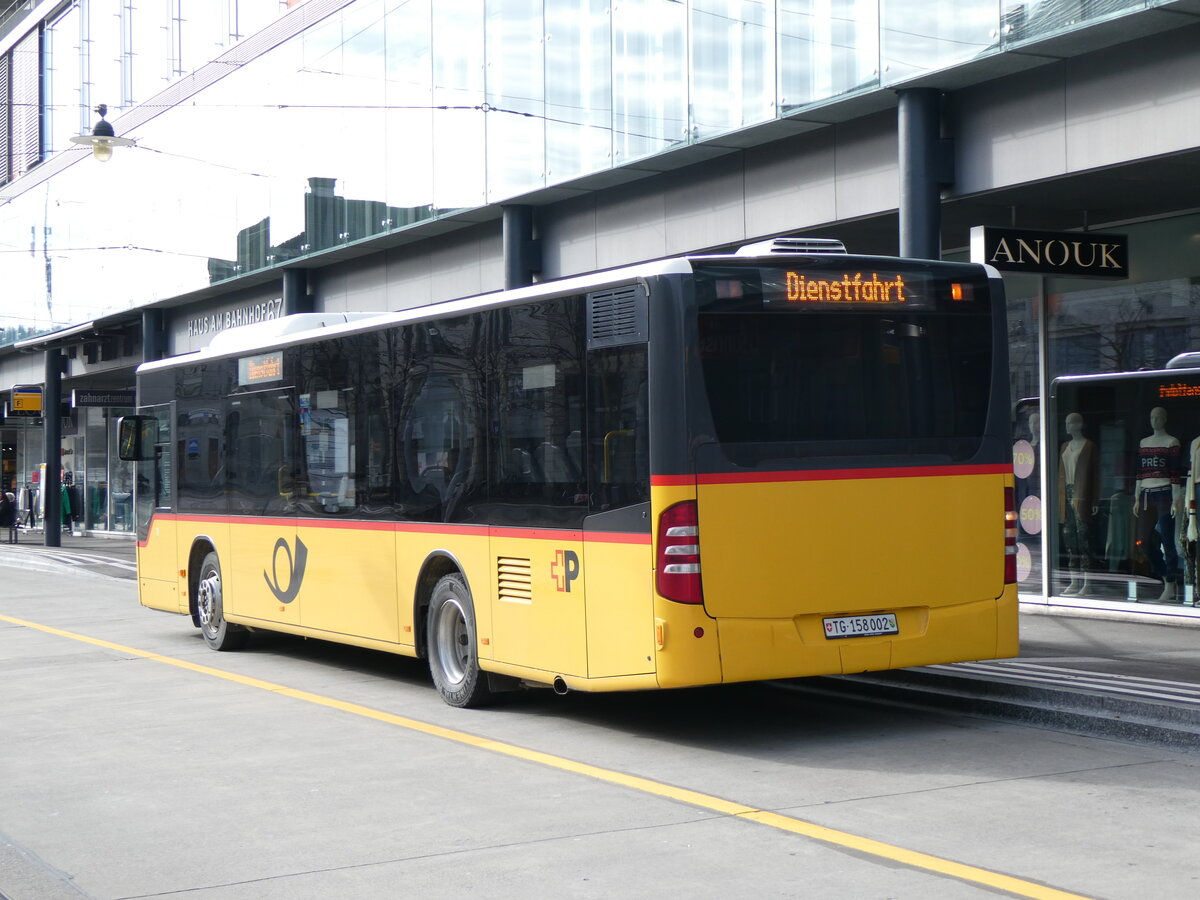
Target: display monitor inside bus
pixel 845 362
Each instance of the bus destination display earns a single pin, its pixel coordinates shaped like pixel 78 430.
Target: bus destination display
pixel 859 288
pixel 798 289
pixel 259 369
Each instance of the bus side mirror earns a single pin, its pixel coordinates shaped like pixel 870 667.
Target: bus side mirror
pixel 136 437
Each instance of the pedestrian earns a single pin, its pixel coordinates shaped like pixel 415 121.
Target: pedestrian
pixel 8 515
pixel 28 503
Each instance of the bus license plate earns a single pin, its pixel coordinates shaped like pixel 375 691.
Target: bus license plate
pixel 861 626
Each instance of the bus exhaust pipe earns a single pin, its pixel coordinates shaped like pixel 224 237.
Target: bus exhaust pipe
pixel 560 686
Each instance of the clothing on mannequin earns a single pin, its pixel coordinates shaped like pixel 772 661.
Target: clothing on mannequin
pixel 1078 501
pixel 1119 538
pixel 1188 537
pixel 1192 489
pixel 1158 500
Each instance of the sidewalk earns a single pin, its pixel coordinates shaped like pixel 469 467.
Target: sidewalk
pixel 114 555
pixel 1079 639
pixel 1077 671
pixel 118 543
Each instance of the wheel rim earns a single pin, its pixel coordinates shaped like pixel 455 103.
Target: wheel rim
pixel 208 601
pixel 453 641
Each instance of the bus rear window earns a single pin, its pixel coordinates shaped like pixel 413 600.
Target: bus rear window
pixel 832 386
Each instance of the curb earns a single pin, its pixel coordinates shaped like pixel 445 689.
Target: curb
pixel 1165 714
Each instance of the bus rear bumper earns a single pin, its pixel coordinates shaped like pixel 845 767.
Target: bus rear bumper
pixel 758 649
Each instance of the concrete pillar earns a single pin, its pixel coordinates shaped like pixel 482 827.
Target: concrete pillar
pixel 52 432
pixel 154 338
pixel 522 252
pixel 926 164
pixel 296 298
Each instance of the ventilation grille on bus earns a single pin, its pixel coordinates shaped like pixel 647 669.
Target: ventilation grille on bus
pixel 514 579
pixel 792 245
pixel 617 317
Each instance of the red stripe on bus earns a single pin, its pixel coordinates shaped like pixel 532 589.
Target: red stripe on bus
pixel 829 475
pixel 614 537
pixel 431 528
pixel 337 523
pixel 435 528
pixel 672 480
pixel 537 534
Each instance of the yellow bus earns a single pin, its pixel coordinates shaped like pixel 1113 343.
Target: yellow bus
pixel 779 462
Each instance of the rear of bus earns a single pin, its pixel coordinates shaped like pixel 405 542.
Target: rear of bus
pixel 833 488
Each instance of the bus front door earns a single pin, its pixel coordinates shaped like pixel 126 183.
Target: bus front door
pixel 152 497
pixel 263 569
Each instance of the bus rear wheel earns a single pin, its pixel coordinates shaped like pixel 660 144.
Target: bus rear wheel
pixel 452 643
pixel 210 608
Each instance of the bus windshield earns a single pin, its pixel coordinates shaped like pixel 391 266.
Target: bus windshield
pixel 841 363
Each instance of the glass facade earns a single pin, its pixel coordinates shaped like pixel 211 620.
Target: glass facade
pixel 1107 450
pixel 363 118
pixel 97 486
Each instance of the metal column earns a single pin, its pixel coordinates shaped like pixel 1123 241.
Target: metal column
pixel 154 338
pixel 926 164
pixel 522 252
pixel 296 298
pixel 52 431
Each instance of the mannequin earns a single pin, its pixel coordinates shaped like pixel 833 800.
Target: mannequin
pixel 1078 479
pixel 1191 495
pixel 1158 500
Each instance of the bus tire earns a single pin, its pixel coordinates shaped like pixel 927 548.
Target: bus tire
pixel 210 607
pixel 453 642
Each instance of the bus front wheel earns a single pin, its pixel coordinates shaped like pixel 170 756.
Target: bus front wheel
pixel 452 643
pixel 218 634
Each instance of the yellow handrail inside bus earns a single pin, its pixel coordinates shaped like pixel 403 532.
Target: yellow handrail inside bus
pixel 624 432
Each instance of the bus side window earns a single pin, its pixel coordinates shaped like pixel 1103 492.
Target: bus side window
pixel 618 427
pixel 261 452
pixel 539 414
pixel 327 430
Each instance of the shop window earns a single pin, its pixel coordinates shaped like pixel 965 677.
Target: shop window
pixel 1080 352
pixel 1123 431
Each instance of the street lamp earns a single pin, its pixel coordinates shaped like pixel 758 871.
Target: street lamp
pixel 102 139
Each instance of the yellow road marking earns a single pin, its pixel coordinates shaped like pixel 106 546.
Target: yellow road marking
pixel 915 859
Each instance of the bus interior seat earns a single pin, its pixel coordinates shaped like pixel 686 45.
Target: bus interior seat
pixel 553 462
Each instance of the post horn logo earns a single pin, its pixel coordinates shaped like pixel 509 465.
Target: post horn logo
pixel 295 570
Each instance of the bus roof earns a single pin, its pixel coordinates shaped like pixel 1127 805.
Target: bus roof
pixel 305 327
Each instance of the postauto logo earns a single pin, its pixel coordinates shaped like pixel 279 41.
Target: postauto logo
pixel 294 569
pixel 565 568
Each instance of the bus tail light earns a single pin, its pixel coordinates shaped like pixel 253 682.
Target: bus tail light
pixel 678 560
pixel 1010 535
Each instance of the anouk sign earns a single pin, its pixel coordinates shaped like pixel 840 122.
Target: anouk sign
pixel 1051 252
